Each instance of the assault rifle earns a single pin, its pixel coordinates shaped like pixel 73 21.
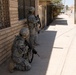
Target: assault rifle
pixel 39 20
pixel 30 47
pixel 37 17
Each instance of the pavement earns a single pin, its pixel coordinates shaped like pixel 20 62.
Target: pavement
pixel 57 50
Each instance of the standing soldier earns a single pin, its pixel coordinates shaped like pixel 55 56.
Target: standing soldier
pixel 32 23
pixel 19 49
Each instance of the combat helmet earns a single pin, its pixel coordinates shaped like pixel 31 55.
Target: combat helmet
pixel 24 32
pixel 31 9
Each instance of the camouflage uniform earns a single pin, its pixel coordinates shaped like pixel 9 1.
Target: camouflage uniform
pixel 32 23
pixel 19 49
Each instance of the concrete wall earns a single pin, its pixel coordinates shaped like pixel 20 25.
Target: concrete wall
pixel 36 7
pixel 7 35
pixel 43 15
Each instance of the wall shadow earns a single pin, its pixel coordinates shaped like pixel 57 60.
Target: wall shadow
pixel 40 64
pixel 59 18
pixel 59 22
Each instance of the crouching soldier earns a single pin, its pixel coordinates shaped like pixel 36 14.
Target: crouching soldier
pixel 19 48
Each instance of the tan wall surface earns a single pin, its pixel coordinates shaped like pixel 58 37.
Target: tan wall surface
pixel 7 34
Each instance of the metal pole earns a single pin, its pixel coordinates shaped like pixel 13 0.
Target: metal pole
pixel 75 11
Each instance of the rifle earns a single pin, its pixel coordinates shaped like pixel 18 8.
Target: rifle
pixel 39 20
pixel 37 17
pixel 30 47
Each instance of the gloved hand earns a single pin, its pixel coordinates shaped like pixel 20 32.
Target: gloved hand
pixel 34 51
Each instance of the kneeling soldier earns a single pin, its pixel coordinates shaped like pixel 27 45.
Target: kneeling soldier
pixel 19 49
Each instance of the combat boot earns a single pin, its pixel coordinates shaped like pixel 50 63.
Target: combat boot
pixel 11 66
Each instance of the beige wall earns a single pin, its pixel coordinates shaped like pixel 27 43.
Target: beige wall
pixel 36 7
pixel 7 35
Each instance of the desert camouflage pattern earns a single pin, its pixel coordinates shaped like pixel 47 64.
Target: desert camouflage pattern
pixel 32 24
pixel 19 49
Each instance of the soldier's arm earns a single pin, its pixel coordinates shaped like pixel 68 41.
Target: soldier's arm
pixel 26 42
pixel 30 47
pixel 33 20
pixel 21 47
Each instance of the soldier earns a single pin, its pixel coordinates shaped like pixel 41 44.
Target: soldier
pixel 32 23
pixel 20 48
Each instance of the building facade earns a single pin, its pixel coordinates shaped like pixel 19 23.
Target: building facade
pixel 43 11
pixel 13 15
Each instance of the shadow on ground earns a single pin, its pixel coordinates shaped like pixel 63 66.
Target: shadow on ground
pixel 39 65
pixel 59 18
pixel 59 21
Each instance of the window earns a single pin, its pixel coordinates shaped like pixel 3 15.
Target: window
pixel 23 6
pixel 21 9
pixel 4 14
